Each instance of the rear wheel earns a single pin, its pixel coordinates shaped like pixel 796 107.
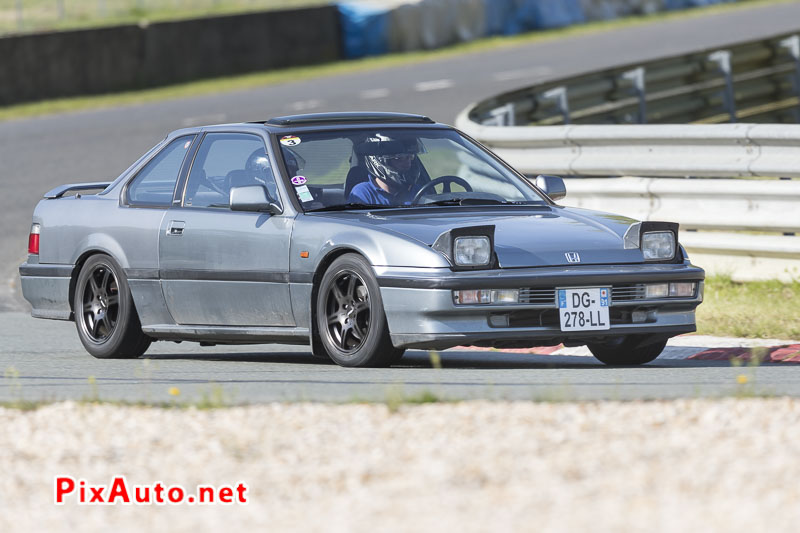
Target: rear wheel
pixel 107 323
pixel 629 350
pixel 350 318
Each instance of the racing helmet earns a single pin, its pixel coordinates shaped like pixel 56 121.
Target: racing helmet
pixel 391 160
pixel 258 166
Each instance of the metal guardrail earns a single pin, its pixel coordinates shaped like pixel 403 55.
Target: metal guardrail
pixel 719 205
pixel 740 222
pixel 718 150
pixel 601 124
pixel 743 227
pixel 753 81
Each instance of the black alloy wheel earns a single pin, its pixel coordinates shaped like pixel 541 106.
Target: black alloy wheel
pixel 347 309
pixel 100 304
pixel 106 319
pixel 350 318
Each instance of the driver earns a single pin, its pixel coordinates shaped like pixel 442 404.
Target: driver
pixel 394 170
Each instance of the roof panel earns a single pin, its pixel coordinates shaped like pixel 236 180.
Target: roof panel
pixel 350 118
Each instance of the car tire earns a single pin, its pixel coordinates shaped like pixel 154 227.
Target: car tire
pixel 350 317
pixel 629 350
pixel 106 319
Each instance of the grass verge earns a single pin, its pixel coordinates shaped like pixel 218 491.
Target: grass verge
pixel 761 309
pixel 43 15
pixel 258 79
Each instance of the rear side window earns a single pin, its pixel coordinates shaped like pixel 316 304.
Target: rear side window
pixel 154 185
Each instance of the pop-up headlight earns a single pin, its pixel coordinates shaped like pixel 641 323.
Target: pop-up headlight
pixel 658 245
pixel 472 251
pixel 468 248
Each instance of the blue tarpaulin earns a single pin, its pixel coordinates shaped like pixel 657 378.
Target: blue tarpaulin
pixel 368 29
pixel 508 17
pixel 364 30
pixel 683 4
pixel 500 19
pixel 539 14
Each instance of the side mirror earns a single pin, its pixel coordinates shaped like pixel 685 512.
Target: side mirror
pixel 553 186
pixel 253 198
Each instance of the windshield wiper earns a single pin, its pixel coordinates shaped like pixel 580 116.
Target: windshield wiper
pixel 467 201
pixel 480 201
pixel 351 205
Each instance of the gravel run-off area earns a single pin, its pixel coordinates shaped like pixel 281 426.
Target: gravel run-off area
pixel 686 465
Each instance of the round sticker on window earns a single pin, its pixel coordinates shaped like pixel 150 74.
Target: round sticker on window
pixel 187 144
pixel 298 180
pixel 290 140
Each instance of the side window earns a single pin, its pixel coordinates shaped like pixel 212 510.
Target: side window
pixel 154 185
pixel 224 161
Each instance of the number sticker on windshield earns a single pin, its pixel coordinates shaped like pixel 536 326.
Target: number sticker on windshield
pixel 290 140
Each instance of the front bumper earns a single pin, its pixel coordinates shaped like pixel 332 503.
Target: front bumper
pixel 421 313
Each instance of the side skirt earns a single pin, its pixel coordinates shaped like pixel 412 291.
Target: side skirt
pixel 228 335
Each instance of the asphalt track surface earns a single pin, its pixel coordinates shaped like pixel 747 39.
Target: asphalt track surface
pixel 37 154
pixel 50 364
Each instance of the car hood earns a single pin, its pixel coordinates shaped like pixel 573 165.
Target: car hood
pixel 524 236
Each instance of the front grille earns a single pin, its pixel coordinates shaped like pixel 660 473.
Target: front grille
pixel 626 293
pixel 619 293
pixel 537 296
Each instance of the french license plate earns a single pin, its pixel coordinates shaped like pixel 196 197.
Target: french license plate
pixel 583 309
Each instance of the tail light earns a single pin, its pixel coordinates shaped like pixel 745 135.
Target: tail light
pixel 33 239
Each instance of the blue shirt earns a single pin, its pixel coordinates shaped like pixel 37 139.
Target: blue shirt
pixel 368 192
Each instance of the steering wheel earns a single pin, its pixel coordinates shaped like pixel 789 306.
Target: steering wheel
pixel 446 180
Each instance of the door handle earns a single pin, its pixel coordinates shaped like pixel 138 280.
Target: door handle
pixel 175 227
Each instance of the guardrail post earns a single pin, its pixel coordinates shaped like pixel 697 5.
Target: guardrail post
pixel 501 116
pixel 559 96
pixel 636 77
pixel 723 60
pixel 792 46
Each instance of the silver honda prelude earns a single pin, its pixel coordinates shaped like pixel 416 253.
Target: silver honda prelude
pixel 360 234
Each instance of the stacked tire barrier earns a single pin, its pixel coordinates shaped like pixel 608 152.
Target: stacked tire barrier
pixel 372 27
pixel 100 60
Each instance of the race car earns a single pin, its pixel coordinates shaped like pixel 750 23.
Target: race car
pixel 359 234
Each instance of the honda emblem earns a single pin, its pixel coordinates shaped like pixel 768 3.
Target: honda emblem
pixel 573 257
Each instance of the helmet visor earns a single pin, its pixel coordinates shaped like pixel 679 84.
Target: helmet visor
pixel 397 161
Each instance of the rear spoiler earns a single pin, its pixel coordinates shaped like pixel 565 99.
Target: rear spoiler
pixel 61 190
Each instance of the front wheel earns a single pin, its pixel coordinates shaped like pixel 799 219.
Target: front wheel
pixel 107 323
pixel 350 318
pixel 629 350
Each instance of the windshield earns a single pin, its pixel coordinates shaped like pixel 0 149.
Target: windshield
pixel 391 167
